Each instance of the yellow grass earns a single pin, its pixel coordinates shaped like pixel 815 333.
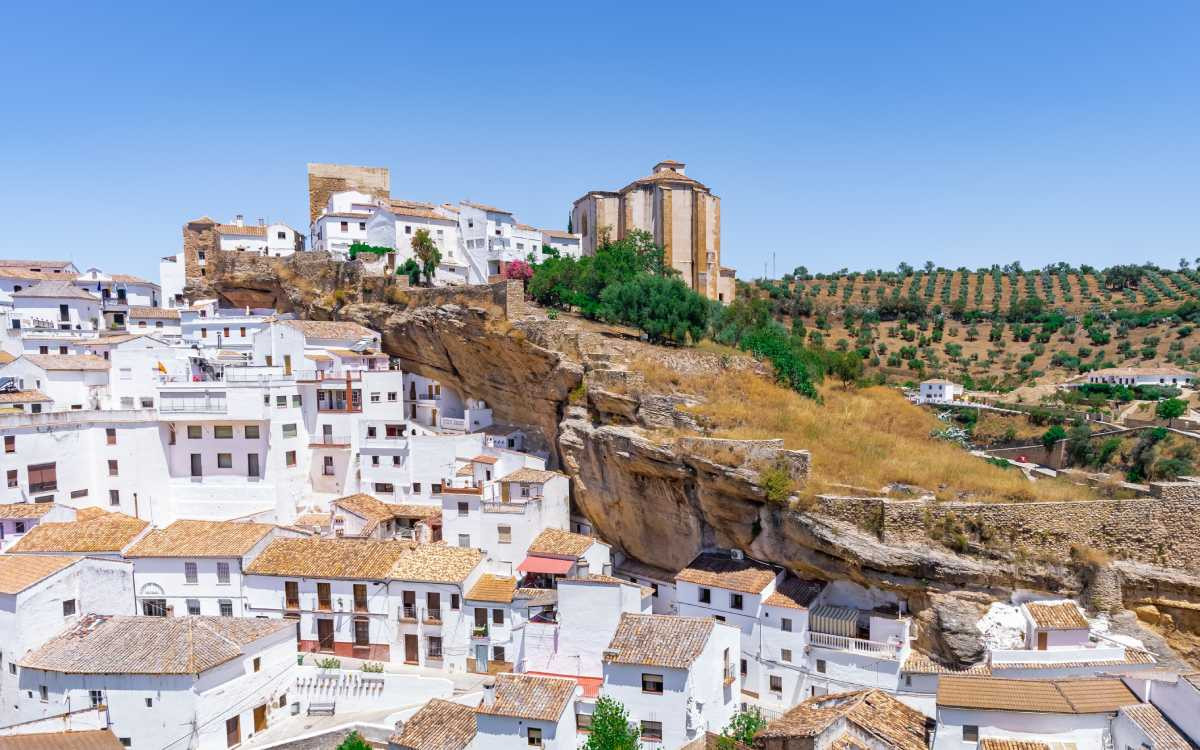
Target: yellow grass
pixel 862 438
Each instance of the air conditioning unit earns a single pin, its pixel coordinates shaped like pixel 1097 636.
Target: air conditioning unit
pixel 737 554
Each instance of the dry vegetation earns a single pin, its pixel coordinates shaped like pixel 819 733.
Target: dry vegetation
pixel 865 438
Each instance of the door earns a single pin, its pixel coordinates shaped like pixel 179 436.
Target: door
pixel 325 635
pixel 409 600
pixel 481 659
pixel 252 464
pixel 260 718
pixel 197 465
pixel 410 649
pixel 233 731
pixel 287 364
pixel 1042 641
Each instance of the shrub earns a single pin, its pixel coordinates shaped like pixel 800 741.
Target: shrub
pixel 372 666
pixel 329 662
pixel 1171 408
pixel 354 741
pixel 776 483
pixel 1053 435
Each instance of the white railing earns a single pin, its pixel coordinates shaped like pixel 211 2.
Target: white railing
pixel 492 506
pixel 854 645
pixel 1057 655
pixel 452 423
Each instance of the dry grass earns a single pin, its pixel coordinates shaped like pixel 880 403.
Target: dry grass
pixel 869 437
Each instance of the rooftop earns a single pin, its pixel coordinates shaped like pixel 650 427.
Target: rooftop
pixel 19 572
pixel 101 644
pixel 56 288
pixel 872 712
pixel 530 697
pixel 143 311
pixel 1156 727
pixel 485 207
pixel 201 539
pixel 367 507
pixel 1057 616
pixel 249 230
pixel 330 329
pixel 315 557
pixel 560 543
pixel 90 739
pixel 659 640
pixel 22 397
pixel 526 474
pixel 918 663
pixel 794 593
pixel 25 510
pixel 437 563
pixel 439 725
pixel 722 571
pixel 67 361
pixel 91 532
pixel 714 741
pixel 1081 696
pixel 493 588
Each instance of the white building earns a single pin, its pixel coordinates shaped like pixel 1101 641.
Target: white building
pixel 172 278
pixel 1134 376
pixel 43 595
pixel 528 711
pixel 555 554
pixel 275 239
pixel 196 567
pixel 56 305
pixel 869 719
pixel 677 676
pixel 71 382
pixel 939 391
pixel 1175 696
pixel 160 321
pixel 117 293
pixel 566 244
pixel 167 682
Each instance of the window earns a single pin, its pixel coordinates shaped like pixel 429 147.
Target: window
pixel 78 493
pixel 743 668
pixel 154 607
pixel 110 435
pixel 435 647
pixel 970 733
pixel 395 460
pixel 224 460
pixel 68 607
pixel 416 487
pixel 281 402
pixel 821 666
pixel 327 467
pixel 112 468
pixel 583 722
pixel 374 460
pixel 223 431
pixel 203 333
pixel 257 663
pixel 191 573
pixel 408 228
pixel 497 617
pixel 10 443
pixel 242 331
pixel 43 693
pixel 19 527
pixel 362 632
pixel 324 598
pixel 463 510
pixel 42 477
pixel 195 432
pixel 436 488
pixel 252 465
pixel 149 703
pixel 652 731
pixel 12 478
pixel 289 430
pixel 505 534
pixel 222 572
pixel 391 396
pixel 114 497
pixel 652 683
pixel 533 736
pixel 376 397
pixel 362 226
pixel 705 595
pixel 233 731
pixel 497 653
pixel 776 684
pixel 96 697
pixel 785 624
pixel 193 606
pixel 251 432
pixel 147 402
pixel 384 488
pixel 289 458
pixel 735 601
pixel 464 540
pixel 785 654
pixel 226 606
pixel 297 400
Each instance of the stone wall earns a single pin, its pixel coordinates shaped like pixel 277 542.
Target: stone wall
pixel 1163 530
pixel 326 179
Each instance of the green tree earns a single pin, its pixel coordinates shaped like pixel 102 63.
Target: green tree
pixel 412 270
pixel 1053 435
pixel 427 253
pixel 610 728
pixel 662 307
pixel 848 368
pixel 1171 408
pixel 354 741
pixel 741 728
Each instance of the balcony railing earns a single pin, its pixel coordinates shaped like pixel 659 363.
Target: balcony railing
pixel 292 605
pixel 43 486
pixel 492 506
pixel 452 423
pixel 854 645
pixel 329 440
pixel 729 674
pixel 433 616
pixel 479 631
pixel 192 406
pixel 408 613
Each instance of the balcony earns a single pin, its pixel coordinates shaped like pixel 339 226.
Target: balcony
pixel 408 613
pixel 452 423
pixel 479 632
pixel 192 404
pixel 35 487
pixel 729 674
pixel 329 441
pixel 854 645
pixel 433 617
pixel 292 605
pixel 493 506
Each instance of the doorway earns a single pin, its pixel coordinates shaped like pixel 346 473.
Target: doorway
pixel 1043 641
pixel 233 731
pixel 410 649
pixel 197 465
pixel 481 660
pixel 325 635
pixel 260 718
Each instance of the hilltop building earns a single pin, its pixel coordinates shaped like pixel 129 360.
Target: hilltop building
pixel 682 215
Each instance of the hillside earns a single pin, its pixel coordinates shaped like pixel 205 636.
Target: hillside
pixel 995 328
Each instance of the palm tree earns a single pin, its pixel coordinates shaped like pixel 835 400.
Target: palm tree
pixel 427 253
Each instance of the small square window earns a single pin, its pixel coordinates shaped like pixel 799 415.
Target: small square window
pixel 652 683
pixel 226 606
pixel 464 540
pixel 289 458
pixel 533 736
pixel 463 510
pixel 252 432
pixel 297 400
pixel 785 624
pixel 281 402
pixel 652 731
pixel 705 595
pixel 113 470
pixel 821 666
pixel 970 733
pixel 289 430
pixel 785 655
pixel 68 607
pixel 44 693
pixel 224 460
pixel 776 684
pixel 735 601
pixel 376 397
pixel 195 432
pixel 193 607
pixel 223 431
pixel 391 396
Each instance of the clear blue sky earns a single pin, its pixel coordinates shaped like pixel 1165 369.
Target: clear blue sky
pixel 854 134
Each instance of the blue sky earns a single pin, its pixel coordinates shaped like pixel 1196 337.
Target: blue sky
pixel 856 134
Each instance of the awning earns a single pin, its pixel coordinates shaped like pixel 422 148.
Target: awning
pixel 553 565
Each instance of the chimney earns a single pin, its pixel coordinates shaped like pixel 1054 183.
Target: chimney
pixel 489 691
pixel 669 164
pixel 261 222
pixel 239 220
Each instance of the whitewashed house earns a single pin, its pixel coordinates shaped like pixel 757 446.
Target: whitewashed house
pixel 196 567
pixel 659 580
pixel 975 711
pixel 56 305
pixel 72 382
pixel 1134 376
pixel 161 321
pixel 556 553
pixel 43 595
pixel 939 391
pixel 343 222
pixel 677 676
pixel 1175 696
pixel 275 239
pixel 566 244
pixel 167 682
pixel 868 719
pixel 16 519
pixel 527 711
pixel 117 293
pixel 94 532
pixel 488 241
pixel 440 724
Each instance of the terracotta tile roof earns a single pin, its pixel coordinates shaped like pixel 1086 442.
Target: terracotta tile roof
pixel 22 397
pixel 102 644
pixel 344 353
pixel 19 572
pixel 666 175
pixel 1060 616
pixel 437 563
pixel 90 532
pixel 525 474
pixel 411 510
pixel 1156 727
pixel 485 207
pixel 872 712
pixel 366 507
pixel 330 329
pixel 559 235
pixel 56 288
pixel 794 593
pixel 1132 657
pixel 67 361
pixel 5 357
pixel 1002 743
pixel 328 558
pixel 484 459
pixel 536 597
pixel 493 588
pixel 89 739
pixel 252 230
pixel 745 575
pixel 320 520
pixel 24 274
pixel 145 311
pixel 25 510
pixel 10 262
pixel 439 725
pixel 401 208
pixel 658 640
pixel 1082 696
pixel 714 741
pixel 530 697
pixel 201 539
pixel 918 663
pixel 559 543
pixel 126 278
pixel 466 470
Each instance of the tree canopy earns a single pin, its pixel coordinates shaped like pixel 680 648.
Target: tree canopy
pixel 610 729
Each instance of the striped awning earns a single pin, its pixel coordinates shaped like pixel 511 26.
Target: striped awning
pixel 834 621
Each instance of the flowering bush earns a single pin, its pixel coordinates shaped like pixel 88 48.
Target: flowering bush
pixel 518 269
